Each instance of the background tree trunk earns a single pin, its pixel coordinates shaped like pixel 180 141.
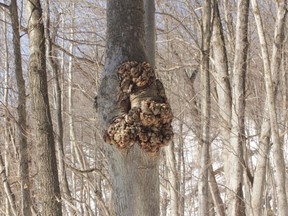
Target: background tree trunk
pixel 277 144
pixel 22 123
pixel 7 188
pixel 223 85
pixel 234 176
pixel 6 115
pixel 264 146
pixel 78 40
pixel 50 35
pixel 173 180
pixel 48 174
pixel 203 188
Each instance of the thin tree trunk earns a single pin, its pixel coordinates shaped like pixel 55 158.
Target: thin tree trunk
pixel 72 136
pixel 50 199
pixel 7 187
pixel 181 163
pixel 76 152
pixel 54 64
pixel 173 179
pixel 257 198
pixel 22 124
pixel 236 205
pixel 223 85
pixel 264 144
pixel 203 187
pixel 268 70
pixel 216 197
pixel 5 98
pixel 285 95
pixel 229 20
pixel 164 188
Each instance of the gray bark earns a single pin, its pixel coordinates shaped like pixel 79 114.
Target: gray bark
pixel 50 199
pixel 134 173
pixel 149 7
pixel 203 187
pixel 181 167
pixel 264 144
pixel 270 91
pixel 215 193
pixel 6 103
pixel 76 149
pixel 234 176
pixel 223 85
pixel 21 110
pixel 7 187
pixel 229 21
pixel 173 179
pixel 55 67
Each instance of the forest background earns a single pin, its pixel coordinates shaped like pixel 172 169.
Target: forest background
pixel 244 130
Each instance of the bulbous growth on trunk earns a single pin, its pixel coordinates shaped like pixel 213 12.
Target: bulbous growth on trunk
pixel 145 116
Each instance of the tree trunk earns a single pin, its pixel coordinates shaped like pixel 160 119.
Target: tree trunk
pixel 7 187
pixel 234 176
pixel 264 145
pixel 76 152
pixel 203 187
pixel 223 86
pixel 164 189
pixel 229 28
pixel 50 199
pixel 268 69
pixel 215 193
pixel 181 164
pixel 55 67
pixel 22 125
pixel 173 179
pixel 127 121
pixel 6 103
pixel 149 7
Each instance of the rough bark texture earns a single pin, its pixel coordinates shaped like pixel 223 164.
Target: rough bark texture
pixel 127 93
pixel 270 91
pixel 236 205
pixel 48 175
pixel 22 124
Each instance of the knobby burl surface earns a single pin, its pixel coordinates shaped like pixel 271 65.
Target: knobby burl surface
pixel 146 118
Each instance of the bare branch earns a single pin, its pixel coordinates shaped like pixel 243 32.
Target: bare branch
pixel 89 170
pixel 5 6
pixel 70 54
pixel 180 23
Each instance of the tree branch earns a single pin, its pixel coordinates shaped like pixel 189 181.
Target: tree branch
pixel 70 54
pixel 5 6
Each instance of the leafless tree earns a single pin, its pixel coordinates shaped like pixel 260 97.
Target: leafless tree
pixel 48 174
